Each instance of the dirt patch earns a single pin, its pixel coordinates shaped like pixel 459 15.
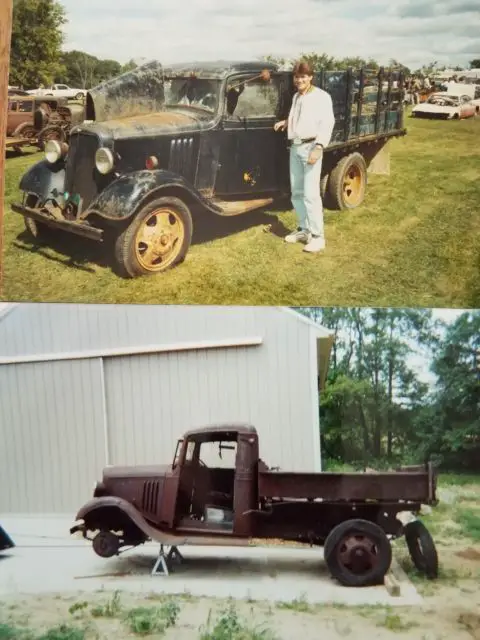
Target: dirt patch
pixel 469 554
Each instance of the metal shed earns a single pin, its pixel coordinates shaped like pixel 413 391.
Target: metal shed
pixel 82 386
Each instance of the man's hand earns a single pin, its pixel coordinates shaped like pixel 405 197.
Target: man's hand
pixel 315 155
pixel 281 125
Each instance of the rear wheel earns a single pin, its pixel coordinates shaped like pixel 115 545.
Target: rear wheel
pixel 358 553
pixel 348 182
pixel 25 130
pixel 50 132
pixel 422 549
pixel 157 239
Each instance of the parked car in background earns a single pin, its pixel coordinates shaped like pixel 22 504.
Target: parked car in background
pixel 445 106
pixel 61 91
pixel 12 91
pixel 39 119
pixel 471 90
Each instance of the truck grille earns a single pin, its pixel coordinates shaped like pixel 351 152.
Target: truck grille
pixel 81 175
pixel 150 496
pixel 182 157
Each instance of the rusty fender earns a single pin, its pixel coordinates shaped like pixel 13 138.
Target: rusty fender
pixel 129 510
pixel 123 197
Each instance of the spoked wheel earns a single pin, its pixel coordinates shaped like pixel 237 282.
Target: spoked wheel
pixel 106 544
pixel 51 132
pixel 158 238
pixel 422 549
pixel 358 553
pixel 348 182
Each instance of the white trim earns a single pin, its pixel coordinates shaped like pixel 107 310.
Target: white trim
pixel 315 399
pixel 322 332
pixel 126 351
pixel 104 412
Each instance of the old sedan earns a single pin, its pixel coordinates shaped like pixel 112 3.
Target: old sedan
pixel 445 106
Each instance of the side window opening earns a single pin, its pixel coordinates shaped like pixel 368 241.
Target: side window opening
pixel 252 99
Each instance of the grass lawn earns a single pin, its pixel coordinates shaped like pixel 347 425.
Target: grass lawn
pixel 414 242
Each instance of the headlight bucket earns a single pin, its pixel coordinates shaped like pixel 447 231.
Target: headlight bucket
pixel 104 160
pixel 55 150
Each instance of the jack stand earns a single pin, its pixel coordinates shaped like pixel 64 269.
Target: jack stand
pixel 161 565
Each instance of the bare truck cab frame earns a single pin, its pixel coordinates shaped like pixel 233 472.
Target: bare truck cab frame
pixel 218 492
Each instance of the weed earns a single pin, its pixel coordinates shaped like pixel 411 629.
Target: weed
pixel 109 610
pixel 63 632
pixel 147 620
pixel 298 604
pixel 393 622
pixel 77 606
pixel 229 627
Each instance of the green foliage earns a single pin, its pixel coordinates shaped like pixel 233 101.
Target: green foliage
pixel 63 632
pixel 475 64
pixel 37 37
pixel 229 626
pixel 84 71
pixel 148 620
pixel 469 520
pixel 109 610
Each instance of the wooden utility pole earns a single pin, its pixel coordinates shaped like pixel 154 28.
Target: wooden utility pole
pixel 5 37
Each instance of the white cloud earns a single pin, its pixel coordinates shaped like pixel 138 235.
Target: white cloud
pixel 412 32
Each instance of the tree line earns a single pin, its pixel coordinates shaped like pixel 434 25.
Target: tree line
pixel 37 56
pixel 376 410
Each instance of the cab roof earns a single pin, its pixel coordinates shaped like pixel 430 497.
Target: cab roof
pixel 216 429
pixel 219 68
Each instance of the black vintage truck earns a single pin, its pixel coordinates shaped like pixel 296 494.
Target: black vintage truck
pixel 162 148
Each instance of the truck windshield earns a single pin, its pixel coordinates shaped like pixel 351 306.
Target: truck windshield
pixel 199 93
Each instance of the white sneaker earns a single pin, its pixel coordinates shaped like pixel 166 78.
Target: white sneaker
pixel 300 235
pixel 315 245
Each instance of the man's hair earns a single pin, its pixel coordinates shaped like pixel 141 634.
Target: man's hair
pixel 302 68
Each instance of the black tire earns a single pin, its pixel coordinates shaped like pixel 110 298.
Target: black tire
pixel 354 168
pixel 38 231
pixel 371 567
pixel 25 130
pixel 50 132
pixel 41 117
pixel 127 252
pixel 324 189
pixel 421 548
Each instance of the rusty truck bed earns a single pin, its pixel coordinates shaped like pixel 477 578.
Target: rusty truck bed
pixel 408 486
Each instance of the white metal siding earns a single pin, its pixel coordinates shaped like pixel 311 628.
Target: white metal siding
pixel 51 444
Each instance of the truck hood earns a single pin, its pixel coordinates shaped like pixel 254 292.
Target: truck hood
pixel 143 471
pixel 162 122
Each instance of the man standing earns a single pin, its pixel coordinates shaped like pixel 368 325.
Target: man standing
pixel 310 125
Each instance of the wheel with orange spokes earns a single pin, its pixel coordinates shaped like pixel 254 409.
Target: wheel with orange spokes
pixel 157 239
pixel 348 182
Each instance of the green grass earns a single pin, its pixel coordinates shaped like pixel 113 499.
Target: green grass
pixel 414 242
pixel 469 521
pixel 229 626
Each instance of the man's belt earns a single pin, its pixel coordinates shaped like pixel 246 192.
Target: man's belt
pixel 296 141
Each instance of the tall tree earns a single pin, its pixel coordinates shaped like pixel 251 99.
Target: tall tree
pixel 475 64
pixel 37 38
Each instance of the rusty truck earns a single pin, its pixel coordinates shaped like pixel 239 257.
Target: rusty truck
pixel 218 491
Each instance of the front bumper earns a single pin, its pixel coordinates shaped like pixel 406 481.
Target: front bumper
pixel 78 228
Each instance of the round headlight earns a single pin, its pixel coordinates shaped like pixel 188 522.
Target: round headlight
pixel 104 160
pixel 53 151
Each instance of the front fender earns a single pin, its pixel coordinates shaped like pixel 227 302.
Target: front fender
pixel 129 510
pixel 44 179
pixel 126 195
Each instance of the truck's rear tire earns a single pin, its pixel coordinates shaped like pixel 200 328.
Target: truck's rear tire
pixel 422 549
pixel 157 238
pixel 347 182
pixel 358 553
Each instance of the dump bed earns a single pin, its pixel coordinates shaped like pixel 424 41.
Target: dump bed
pixel 412 485
pixel 365 103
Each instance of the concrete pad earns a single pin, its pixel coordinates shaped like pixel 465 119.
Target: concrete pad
pixel 48 559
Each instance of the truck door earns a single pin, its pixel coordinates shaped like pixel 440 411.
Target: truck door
pixel 246 483
pixel 251 152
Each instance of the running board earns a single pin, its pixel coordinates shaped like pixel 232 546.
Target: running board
pixel 237 207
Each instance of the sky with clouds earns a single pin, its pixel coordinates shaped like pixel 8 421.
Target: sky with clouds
pixel 412 31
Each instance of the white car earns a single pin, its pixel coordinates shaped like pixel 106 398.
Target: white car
pixel 471 90
pixel 61 91
pixel 446 106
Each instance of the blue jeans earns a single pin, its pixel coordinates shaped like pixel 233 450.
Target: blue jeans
pixel 305 186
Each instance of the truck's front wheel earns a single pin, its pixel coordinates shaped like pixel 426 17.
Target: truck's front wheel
pixel 158 238
pixel 348 182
